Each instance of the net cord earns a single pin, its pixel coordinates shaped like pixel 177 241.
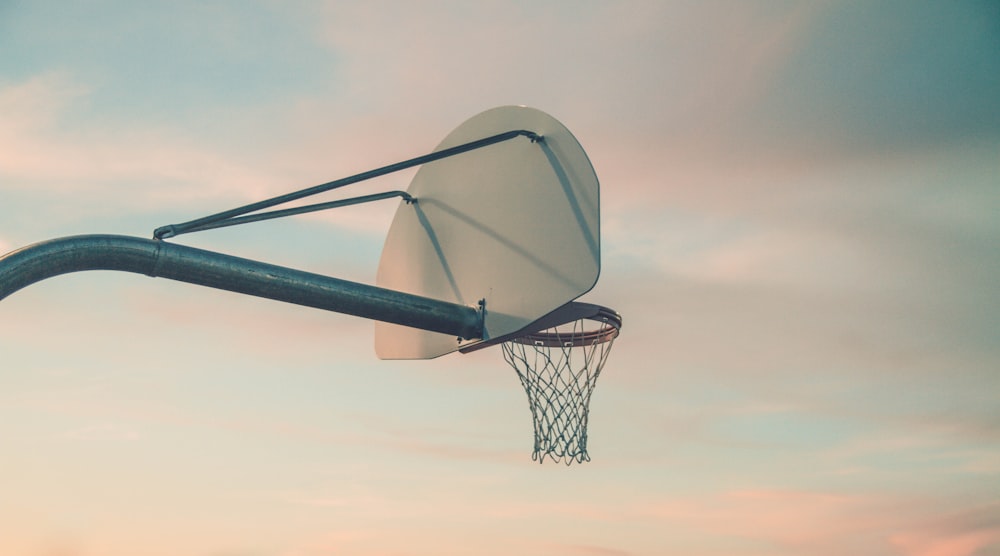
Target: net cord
pixel 558 371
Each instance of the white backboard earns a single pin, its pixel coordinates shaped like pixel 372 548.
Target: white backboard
pixel 516 224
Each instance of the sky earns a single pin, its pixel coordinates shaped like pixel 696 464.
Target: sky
pixel 799 226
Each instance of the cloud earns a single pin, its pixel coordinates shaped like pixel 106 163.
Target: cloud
pixel 907 84
pixel 950 544
pixel 984 461
pixel 134 166
pixel 36 103
pixel 589 550
pixel 772 257
pixel 807 325
pixel 969 532
pixel 652 72
pixel 41 151
pixel 859 247
pixel 833 523
pixel 105 432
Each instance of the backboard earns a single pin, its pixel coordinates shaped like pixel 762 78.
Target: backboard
pixel 515 225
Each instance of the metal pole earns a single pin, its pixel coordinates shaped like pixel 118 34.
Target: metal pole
pixel 43 260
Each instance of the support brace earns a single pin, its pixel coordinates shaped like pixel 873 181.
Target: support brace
pixel 43 260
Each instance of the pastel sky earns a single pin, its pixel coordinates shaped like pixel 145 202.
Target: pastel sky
pixel 800 221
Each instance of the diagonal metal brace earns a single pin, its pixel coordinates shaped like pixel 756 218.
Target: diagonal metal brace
pixel 208 222
pixel 169 231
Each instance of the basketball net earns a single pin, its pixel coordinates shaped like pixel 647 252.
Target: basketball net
pixel 558 368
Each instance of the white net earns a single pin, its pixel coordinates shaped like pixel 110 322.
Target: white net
pixel 558 369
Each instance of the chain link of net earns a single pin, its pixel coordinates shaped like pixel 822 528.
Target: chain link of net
pixel 559 382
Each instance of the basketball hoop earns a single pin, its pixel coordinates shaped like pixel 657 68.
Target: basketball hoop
pixel 558 367
pixel 523 244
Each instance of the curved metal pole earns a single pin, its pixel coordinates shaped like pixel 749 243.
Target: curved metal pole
pixel 31 264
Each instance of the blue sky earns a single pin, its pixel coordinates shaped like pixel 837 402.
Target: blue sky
pixel 799 224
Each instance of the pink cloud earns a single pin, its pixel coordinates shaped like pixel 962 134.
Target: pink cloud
pixel 781 257
pixel 38 149
pixel 105 432
pixel 588 550
pixel 833 523
pixel 954 544
pixel 966 533
pixel 789 519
